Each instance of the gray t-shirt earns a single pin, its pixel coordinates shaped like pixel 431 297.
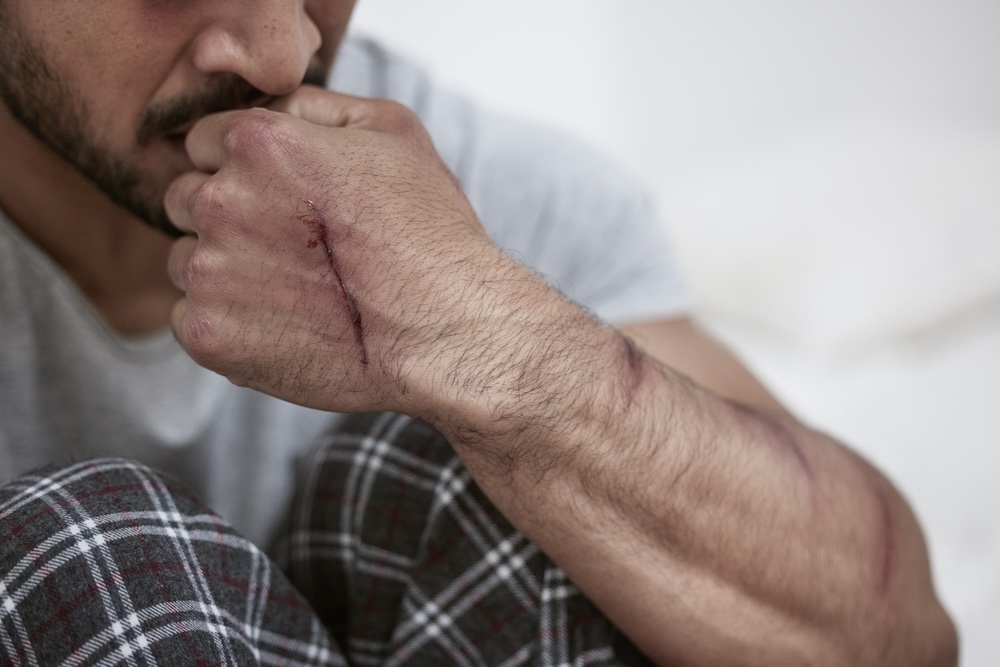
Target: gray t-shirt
pixel 70 387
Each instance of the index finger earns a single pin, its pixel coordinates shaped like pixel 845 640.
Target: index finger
pixel 212 139
pixel 332 109
pixel 319 106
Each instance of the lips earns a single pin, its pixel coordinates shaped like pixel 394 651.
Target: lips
pixel 181 131
pixel 177 136
pixel 176 140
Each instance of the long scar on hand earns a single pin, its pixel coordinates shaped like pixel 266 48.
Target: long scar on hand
pixel 317 225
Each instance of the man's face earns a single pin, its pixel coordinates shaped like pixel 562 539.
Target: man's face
pixel 112 86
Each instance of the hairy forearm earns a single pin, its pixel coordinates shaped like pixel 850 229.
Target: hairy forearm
pixel 330 258
pixel 711 533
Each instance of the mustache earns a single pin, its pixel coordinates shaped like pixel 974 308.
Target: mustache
pixel 226 93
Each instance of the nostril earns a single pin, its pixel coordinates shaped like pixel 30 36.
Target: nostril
pixel 269 56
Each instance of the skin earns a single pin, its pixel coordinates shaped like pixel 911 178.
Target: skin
pixel 328 257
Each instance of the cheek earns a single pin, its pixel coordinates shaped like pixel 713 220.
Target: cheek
pixel 106 91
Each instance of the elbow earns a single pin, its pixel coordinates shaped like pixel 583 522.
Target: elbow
pixel 930 642
pixel 942 640
pixel 925 639
pixel 946 648
pixel 933 643
pixel 916 630
pixel 904 624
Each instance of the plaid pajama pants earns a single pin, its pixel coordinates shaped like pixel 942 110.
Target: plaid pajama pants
pixel 393 556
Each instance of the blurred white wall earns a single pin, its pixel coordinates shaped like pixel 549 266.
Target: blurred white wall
pixel 706 77
pixel 830 173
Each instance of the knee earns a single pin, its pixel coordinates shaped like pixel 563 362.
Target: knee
pixel 85 497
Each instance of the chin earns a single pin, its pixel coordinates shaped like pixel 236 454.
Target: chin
pixel 143 198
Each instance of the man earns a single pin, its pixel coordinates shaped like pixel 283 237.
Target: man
pixel 319 251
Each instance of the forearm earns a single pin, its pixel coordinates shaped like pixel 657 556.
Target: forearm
pixel 710 533
pixel 363 282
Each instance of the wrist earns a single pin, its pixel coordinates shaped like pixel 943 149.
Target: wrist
pixel 544 374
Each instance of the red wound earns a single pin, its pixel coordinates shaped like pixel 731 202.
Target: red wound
pixel 317 225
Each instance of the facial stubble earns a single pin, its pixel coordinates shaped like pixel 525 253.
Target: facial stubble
pixel 57 115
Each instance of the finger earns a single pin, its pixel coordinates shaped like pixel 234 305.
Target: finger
pixel 177 314
pixel 317 105
pixel 206 141
pixel 177 261
pixel 178 198
pixel 323 107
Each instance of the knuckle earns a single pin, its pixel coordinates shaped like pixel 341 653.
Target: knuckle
pixel 207 200
pixel 196 272
pixel 252 133
pixel 215 206
pixel 197 333
pixel 208 338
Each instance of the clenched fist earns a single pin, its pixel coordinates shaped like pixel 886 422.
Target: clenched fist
pixel 331 259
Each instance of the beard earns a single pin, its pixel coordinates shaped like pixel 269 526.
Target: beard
pixel 59 117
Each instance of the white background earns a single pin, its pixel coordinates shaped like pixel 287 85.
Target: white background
pixel 830 174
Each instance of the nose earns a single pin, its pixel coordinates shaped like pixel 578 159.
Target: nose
pixel 269 43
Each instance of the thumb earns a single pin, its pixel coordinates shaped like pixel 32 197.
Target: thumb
pixel 327 108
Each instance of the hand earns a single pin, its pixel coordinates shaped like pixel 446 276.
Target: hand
pixel 331 258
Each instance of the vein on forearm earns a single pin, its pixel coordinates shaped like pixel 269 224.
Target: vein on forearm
pixel 770 429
